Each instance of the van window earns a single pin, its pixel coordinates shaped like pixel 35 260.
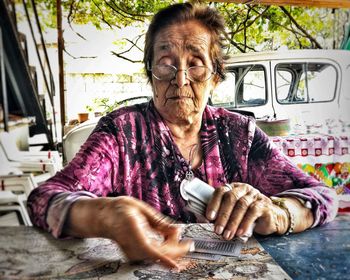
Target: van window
pixel 224 94
pixel 245 86
pixel 305 82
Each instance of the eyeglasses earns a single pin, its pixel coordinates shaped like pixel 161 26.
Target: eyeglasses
pixel 164 72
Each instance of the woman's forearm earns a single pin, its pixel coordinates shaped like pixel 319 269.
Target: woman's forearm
pixel 86 218
pixel 302 216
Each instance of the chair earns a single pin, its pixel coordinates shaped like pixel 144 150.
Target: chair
pixel 10 202
pixel 14 154
pixel 9 219
pixel 18 184
pixel 40 170
pixel 73 140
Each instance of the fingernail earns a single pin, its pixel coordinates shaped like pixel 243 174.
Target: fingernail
pixel 176 269
pixel 192 247
pixel 227 234
pixel 239 232
pixel 244 239
pixel 212 215
pixel 219 229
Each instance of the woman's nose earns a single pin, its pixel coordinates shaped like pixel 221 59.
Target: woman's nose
pixel 181 78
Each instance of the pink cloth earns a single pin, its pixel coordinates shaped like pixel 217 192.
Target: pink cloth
pixel 131 152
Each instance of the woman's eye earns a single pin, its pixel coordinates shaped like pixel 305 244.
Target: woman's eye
pixel 165 61
pixel 196 62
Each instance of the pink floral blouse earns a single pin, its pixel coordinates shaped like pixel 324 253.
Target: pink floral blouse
pixel 132 152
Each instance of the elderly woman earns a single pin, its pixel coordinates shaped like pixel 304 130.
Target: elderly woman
pixel 126 178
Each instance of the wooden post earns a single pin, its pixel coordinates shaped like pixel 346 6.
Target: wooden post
pixel 60 45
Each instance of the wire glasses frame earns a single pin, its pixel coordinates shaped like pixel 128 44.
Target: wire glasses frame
pixel 197 74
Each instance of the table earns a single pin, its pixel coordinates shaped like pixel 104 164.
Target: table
pixel 319 253
pixel 314 147
pixel 326 157
pixel 27 252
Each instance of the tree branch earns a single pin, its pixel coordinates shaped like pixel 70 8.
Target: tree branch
pixel 126 58
pixel 247 47
pixel 245 27
pixel 128 12
pixel 77 57
pixel 102 15
pixel 255 19
pixel 116 9
pixel 307 35
pixel 72 10
pixel 234 43
pixel 134 44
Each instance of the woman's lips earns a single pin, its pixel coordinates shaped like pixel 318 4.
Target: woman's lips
pixel 178 97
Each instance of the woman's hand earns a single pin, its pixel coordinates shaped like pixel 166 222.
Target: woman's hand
pixel 237 211
pixel 141 231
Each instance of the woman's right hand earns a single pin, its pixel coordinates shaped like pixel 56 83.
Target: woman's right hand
pixel 134 225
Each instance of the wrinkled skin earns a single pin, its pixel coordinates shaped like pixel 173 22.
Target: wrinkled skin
pixel 236 212
pixel 136 224
pixel 142 232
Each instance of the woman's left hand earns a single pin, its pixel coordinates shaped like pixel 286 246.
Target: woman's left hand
pixel 239 209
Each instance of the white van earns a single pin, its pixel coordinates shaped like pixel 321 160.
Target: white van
pixel 308 88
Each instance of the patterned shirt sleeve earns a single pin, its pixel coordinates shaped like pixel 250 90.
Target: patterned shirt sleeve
pixel 90 174
pixel 274 174
pixel 58 210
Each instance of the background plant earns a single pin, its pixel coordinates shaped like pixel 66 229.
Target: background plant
pixel 250 27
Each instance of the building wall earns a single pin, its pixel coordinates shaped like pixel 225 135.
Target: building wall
pixel 82 89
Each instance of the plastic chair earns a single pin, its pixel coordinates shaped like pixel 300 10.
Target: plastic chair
pixel 9 220
pixel 73 140
pixel 10 202
pixel 40 170
pixel 18 184
pixel 14 154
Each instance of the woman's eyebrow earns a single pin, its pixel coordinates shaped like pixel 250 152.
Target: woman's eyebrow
pixel 163 46
pixel 195 48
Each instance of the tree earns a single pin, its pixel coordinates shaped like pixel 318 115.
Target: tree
pixel 249 27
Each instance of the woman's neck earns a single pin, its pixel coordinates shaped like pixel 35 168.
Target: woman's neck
pixel 188 140
pixel 185 131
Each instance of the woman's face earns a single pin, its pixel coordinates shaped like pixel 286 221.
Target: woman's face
pixel 185 45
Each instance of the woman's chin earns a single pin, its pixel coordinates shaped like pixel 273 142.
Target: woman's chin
pixel 178 114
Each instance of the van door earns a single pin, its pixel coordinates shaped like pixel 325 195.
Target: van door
pixel 246 88
pixel 306 92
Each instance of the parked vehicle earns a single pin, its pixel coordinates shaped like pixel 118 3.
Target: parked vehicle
pixel 307 90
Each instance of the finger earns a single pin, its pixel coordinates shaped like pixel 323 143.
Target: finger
pixel 156 219
pixel 254 212
pixel 176 249
pixel 215 203
pixel 145 248
pixel 155 254
pixel 173 233
pixel 231 223
pixel 171 247
pixel 228 202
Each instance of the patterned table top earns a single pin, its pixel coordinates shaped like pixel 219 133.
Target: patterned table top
pixel 29 253
pixel 314 148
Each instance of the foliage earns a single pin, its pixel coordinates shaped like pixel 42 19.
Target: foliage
pixel 251 27
pixel 104 105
